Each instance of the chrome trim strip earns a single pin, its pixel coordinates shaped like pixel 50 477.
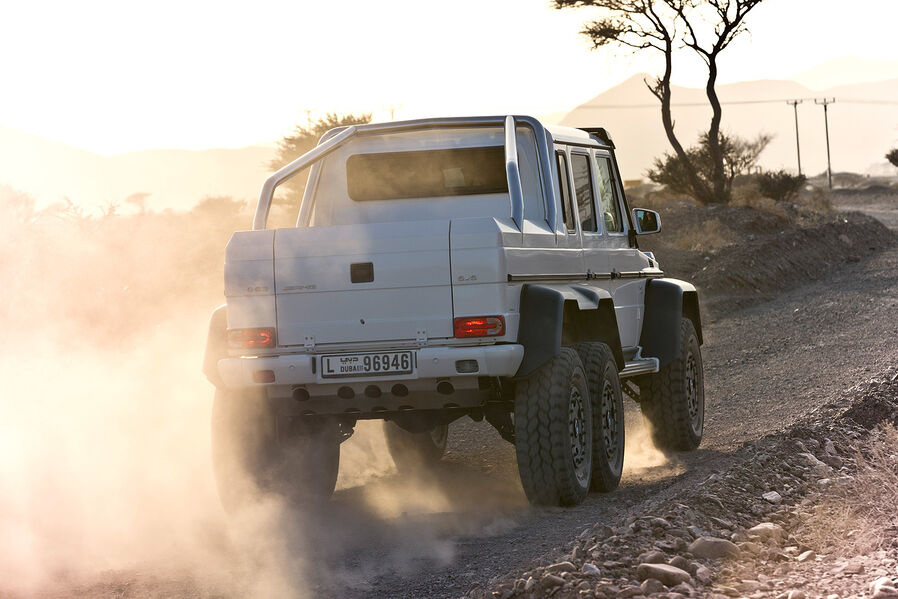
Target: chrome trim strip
pixel 640 366
pixel 637 274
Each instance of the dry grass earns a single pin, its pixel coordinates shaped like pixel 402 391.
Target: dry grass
pixel 709 236
pixel 859 517
pixel 749 196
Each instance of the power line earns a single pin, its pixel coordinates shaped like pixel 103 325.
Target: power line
pixel 726 103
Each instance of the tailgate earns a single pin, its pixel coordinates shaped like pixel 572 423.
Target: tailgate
pixel 402 287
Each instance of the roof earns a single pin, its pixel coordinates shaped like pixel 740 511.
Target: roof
pixel 587 135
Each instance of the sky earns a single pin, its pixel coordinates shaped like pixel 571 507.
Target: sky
pixel 119 76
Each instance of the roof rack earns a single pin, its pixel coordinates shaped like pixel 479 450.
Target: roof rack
pixel 599 132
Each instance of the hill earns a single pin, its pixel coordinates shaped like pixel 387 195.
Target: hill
pixel 175 179
pixel 860 132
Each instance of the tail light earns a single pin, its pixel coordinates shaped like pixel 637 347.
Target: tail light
pixel 257 338
pixel 479 326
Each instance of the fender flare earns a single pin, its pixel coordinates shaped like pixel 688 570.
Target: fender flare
pixel 542 322
pixel 216 345
pixel 666 302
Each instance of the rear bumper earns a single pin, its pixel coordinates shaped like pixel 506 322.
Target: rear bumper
pixel 432 363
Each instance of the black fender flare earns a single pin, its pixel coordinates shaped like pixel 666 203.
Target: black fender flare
pixel 216 345
pixel 666 302
pixel 542 322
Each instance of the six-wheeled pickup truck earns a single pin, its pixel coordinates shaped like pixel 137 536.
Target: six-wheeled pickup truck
pixel 485 267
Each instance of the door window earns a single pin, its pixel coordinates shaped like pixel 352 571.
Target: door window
pixel 565 195
pixel 583 189
pixel 611 215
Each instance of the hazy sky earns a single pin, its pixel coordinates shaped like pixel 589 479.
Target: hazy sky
pixel 118 76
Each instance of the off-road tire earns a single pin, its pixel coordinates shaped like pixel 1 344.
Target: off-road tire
pixel 253 454
pixel 553 432
pixel 673 399
pixel 608 428
pixel 411 451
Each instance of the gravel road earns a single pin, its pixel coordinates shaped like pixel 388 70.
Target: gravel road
pixel 766 366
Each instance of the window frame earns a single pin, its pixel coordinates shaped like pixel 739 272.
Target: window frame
pixel 588 154
pixel 561 157
pixel 615 193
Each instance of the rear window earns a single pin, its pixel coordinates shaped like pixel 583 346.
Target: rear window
pixel 426 174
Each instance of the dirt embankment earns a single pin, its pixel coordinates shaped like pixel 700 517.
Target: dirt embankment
pixel 743 255
pixel 779 523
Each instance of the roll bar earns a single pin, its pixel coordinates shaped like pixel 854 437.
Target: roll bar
pixel 337 137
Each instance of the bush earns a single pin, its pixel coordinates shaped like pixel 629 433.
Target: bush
pixel 780 185
pixel 892 157
pixel 739 155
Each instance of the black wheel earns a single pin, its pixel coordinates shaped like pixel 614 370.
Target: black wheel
pixel 553 432
pixel 608 436
pixel 415 450
pixel 673 400
pixel 253 454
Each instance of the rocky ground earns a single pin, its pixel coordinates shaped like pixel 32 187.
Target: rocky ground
pixel 750 530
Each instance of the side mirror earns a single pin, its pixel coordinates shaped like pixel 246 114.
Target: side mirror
pixel 647 221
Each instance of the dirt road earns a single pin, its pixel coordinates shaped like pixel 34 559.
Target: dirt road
pixel 437 534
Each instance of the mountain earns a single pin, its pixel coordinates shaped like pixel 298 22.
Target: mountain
pixel 175 179
pixel 861 130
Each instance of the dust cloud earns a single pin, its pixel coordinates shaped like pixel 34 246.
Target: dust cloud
pixel 106 483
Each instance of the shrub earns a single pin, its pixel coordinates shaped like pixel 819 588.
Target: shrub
pixel 780 185
pixel 892 156
pixel 739 155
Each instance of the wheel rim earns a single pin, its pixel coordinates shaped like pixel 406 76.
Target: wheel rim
pixel 610 423
pixel 693 399
pixel 577 427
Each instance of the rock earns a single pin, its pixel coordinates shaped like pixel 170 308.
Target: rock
pixel 829 447
pixel 602 532
pixel 807 556
pixel 669 575
pixel 753 548
pixel 550 580
pixel 832 460
pixel 796 594
pixel 577 554
pixel 652 585
pixel 845 239
pixel 590 569
pixel 883 587
pixel 749 586
pixel 772 497
pixel 725 524
pixel 768 531
pixel 562 567
pixel 651 557
pixel 813 462
pixel 703 575
pixel 713 548
pixel 681 562
pixel 529 584
pixel 630 592
pixel 852 568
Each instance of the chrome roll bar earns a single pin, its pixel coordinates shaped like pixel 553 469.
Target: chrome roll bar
pixel 337 137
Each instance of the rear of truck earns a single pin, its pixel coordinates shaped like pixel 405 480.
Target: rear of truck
pixel 391 295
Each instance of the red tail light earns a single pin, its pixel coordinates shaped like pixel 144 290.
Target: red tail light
pixel 257 338
pixel 480 326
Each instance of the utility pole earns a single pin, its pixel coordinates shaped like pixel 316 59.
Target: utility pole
pixel 825 103
pixel 393 108
pixel 794 104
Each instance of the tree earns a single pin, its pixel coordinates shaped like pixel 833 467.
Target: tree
pixel 892 156
pixel 738 156
pixel 303 139
pixel 707 27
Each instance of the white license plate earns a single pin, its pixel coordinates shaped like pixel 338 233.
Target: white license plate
pixel 370 364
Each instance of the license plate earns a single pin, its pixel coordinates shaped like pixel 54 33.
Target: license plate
pixel 370 364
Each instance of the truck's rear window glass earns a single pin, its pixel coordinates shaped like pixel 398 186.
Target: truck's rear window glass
pixel 426 173
pixel 583 189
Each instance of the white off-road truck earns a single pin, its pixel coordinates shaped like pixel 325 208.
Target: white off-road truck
pixel 485 267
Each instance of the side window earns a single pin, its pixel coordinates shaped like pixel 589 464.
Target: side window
pixel 565 188
pixel 611 215
pixel 583 188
